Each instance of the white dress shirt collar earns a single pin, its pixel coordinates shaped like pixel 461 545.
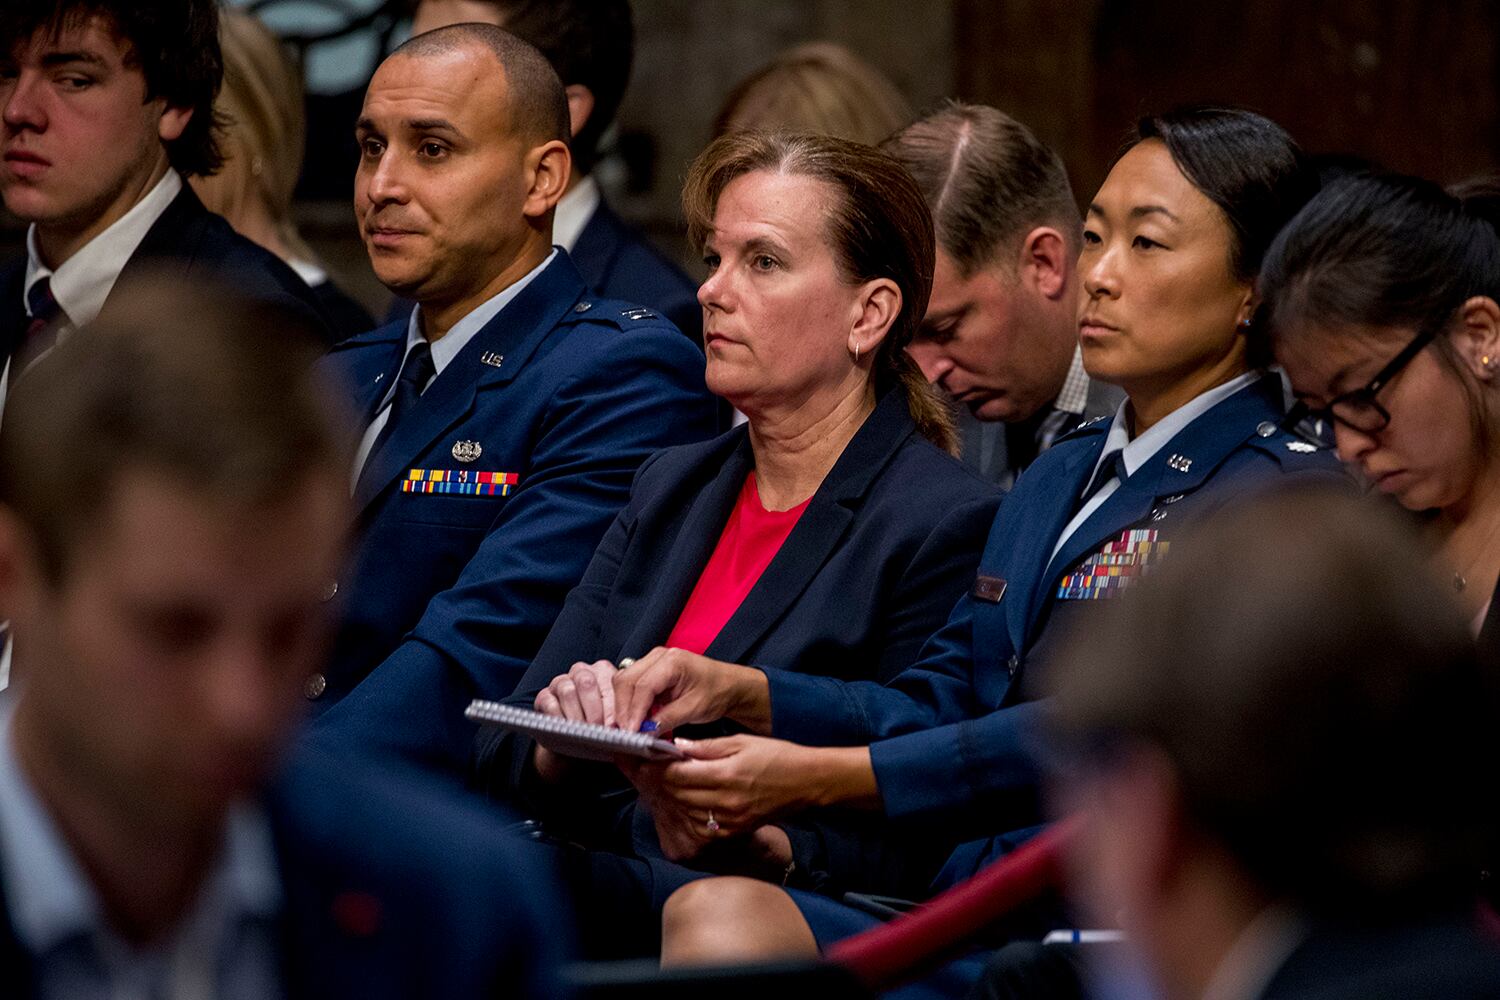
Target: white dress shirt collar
pixel 573 212
pixel 82 282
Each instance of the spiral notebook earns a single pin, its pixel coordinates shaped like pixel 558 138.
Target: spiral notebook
pixel 573 739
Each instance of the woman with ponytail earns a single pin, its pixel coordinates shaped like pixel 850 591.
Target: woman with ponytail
pixel 951 751
pixel 1381 301
pixel 830 534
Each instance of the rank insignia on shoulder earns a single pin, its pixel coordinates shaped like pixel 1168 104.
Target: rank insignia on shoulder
pixel 988 588
pixel 467 451
pixel 583 307
pixel 638 314
pixel 1301 447
pixel 492 359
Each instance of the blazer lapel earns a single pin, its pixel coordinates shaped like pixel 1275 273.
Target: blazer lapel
pixel 818 531
pixel 513 335
pixel 688 552
pixel 1058 489
pixel 13 320
pixel 598 243
pixel 173 236
pixel 1204 443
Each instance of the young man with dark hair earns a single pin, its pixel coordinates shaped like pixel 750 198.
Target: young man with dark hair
pixel 504 420
pixel 1001 332
pixel 591 45
pixel 155 839
pixel 104 108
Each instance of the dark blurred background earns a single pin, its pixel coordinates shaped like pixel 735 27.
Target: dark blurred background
pixel 1412 85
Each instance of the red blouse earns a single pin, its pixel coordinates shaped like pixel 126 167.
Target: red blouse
pixel 750 540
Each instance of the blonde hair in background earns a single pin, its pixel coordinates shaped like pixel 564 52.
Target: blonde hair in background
pixel 819 87
pixel 264 137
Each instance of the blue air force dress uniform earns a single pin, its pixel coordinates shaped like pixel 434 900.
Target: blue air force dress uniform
pixel 954 739
pixel 481 497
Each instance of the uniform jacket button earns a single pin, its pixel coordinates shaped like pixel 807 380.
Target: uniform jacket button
pixel 331 591
pixel 1265 428
pixel 315 686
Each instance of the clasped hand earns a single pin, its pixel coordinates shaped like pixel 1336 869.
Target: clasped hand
pixel 742 782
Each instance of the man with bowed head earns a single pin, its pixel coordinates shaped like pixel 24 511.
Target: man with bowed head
pixel 503 421
pixel 154 839
pixel 1001 330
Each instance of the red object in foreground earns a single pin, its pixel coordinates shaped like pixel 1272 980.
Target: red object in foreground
pixel 892 951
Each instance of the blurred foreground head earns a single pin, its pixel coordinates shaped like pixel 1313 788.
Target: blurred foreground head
pixel 1292 713
pixel 172 490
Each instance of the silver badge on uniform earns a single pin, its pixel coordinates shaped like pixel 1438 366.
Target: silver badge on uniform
pixel 492 359
pixel 1180 462
pixel 467 451
pixel 1302 447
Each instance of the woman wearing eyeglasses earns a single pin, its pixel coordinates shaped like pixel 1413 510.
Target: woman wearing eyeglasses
pixel 1381 304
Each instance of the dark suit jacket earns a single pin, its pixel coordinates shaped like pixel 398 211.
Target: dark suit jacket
pixel 619 263
pixel 1436 960
pixel 886 545
pixel 393 890
pixel 955 738
pixel 193 244
pixel 450 594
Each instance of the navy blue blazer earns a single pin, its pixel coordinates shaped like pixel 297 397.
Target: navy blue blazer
pixel 537 426
pixel 190 243
pixel 887 543
pixel 619 263
pixel 954 739
pixel 392 889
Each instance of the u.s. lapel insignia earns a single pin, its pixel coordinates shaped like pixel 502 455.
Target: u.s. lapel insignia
pixel 1301 447
pixel 492 359
pixel 467 451
pixel 1180 462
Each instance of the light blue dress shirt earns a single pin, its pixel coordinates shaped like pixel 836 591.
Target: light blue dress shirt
pixel 1141 448
pixel 225 947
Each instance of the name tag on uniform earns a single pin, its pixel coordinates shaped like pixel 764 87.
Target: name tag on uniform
pixel 460 482
pixel 988 588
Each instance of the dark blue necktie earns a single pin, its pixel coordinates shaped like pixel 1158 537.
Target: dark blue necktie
pixel 416 371
pixel 46 321
pixel 1113 467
